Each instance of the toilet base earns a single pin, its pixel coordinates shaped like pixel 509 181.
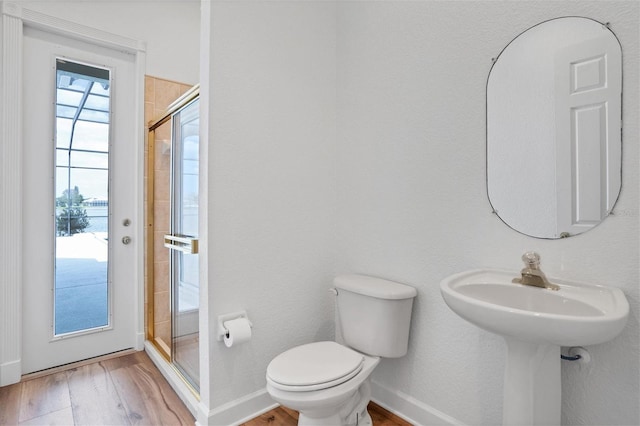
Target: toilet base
pixel 352 412
pixel 366 421
pixel 363 419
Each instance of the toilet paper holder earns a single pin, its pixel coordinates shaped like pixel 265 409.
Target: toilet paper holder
pixel 222 330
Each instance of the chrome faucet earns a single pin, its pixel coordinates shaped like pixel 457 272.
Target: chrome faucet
pixel 532 275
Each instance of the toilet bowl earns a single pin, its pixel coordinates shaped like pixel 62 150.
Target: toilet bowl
pixel 332 389
pixel 328 382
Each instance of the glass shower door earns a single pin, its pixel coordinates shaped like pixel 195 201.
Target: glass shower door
pixel 183 243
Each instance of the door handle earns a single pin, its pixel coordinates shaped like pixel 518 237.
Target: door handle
pixel 126 240
pixel 183 243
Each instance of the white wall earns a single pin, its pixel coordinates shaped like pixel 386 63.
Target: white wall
pixel 170 29
pixel 350 137
pixel 412 202
pixel 270 161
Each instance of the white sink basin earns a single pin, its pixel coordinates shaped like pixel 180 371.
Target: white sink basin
pixel 535 322
pixel 574 315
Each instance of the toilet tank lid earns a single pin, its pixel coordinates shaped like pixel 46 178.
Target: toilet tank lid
pixel 374 287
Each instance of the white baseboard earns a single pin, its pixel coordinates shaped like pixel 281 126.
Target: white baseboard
pixel 254 404
pixel 240 410
pixel 402 405
pixel 409 408
pixel 232 413
pixel 10 372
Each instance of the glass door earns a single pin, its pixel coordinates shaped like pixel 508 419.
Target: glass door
pixel 172 237
pixel 183 243
pixel 80 295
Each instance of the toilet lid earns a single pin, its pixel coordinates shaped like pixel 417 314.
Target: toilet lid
pixel 314 366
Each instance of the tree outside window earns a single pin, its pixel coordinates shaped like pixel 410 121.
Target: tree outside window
pixel 72 217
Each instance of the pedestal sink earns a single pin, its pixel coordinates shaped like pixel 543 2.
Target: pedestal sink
pixel 535 322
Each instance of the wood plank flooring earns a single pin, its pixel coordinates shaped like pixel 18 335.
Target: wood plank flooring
pixel 282 416
pixel 127 390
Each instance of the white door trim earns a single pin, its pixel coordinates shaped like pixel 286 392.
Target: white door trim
pixel 14 19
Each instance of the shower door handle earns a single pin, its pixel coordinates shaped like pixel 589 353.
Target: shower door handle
pixel 183 243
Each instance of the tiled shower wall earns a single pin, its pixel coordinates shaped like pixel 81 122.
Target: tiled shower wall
pixel 159 94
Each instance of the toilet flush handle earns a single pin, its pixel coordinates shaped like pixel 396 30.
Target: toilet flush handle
pixel 334 291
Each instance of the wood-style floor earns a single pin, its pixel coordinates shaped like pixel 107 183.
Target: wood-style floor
pixel 127 390
pixel 282 416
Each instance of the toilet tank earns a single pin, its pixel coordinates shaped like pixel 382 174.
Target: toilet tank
pixel 374 314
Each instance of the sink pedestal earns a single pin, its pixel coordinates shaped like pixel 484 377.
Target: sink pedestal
pixel 535 322
pixel 532 389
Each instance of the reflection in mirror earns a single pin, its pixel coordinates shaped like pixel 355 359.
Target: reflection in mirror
pixel 554 128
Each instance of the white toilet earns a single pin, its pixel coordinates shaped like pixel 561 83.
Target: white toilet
pixel 328 383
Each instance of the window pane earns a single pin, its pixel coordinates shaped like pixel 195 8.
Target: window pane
pixel 100 89
pixel 68 97
pixel 89 159
pixel 79 84
pixel 94 160
pixel 91 136
pixel 97 102
pixel 62 184
pixel 81 288
pixel 66 111
pixel 95 183
pixel 91 115
pixel 63 132
pixel 62 158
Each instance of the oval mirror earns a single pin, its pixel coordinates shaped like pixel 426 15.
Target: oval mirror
pixel 554 128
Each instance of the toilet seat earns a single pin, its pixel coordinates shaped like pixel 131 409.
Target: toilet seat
pixel 314 366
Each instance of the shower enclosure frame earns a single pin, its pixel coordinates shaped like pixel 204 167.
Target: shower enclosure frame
pixel 150 238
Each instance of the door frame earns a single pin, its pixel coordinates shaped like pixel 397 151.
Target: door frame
pixel 14 20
